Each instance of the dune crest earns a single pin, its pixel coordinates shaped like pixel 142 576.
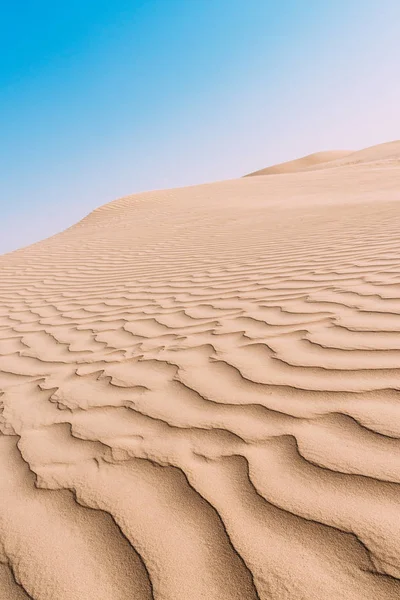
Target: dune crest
pixel 334 158
pixel 200 394
pixel 305 162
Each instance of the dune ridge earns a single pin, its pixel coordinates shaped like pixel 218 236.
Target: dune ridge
pixel 311 161
pixel 200 394
pixel 334 158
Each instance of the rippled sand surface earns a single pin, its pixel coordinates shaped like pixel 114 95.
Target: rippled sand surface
pixel 200 394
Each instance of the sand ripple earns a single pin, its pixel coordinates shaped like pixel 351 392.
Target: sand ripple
pixel 200 396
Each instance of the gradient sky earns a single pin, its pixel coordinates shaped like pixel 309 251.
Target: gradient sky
pixel 101 99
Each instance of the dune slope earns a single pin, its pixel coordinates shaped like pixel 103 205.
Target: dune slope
pixel 304 163
pixel 199 395
pixel 389 151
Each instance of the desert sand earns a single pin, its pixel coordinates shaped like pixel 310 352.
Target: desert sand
pixel 200 393
pixel 305 163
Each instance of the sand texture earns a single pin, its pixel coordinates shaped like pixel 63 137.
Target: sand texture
pixel 200 394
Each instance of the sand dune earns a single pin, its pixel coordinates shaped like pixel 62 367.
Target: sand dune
pixel 304 163
pixel 200 393
pixel 335 158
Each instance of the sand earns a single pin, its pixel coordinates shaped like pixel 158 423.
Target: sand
pixel 305 163
pixel 336 158
pixel 200 394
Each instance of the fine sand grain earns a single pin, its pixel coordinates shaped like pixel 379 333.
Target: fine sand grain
pixel 200 393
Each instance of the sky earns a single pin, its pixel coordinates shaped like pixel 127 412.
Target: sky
pixel 102 99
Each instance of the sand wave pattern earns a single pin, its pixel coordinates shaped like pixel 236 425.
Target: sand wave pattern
pixel 200 396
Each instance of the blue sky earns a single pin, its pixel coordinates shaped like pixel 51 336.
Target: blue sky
pixel 101 99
